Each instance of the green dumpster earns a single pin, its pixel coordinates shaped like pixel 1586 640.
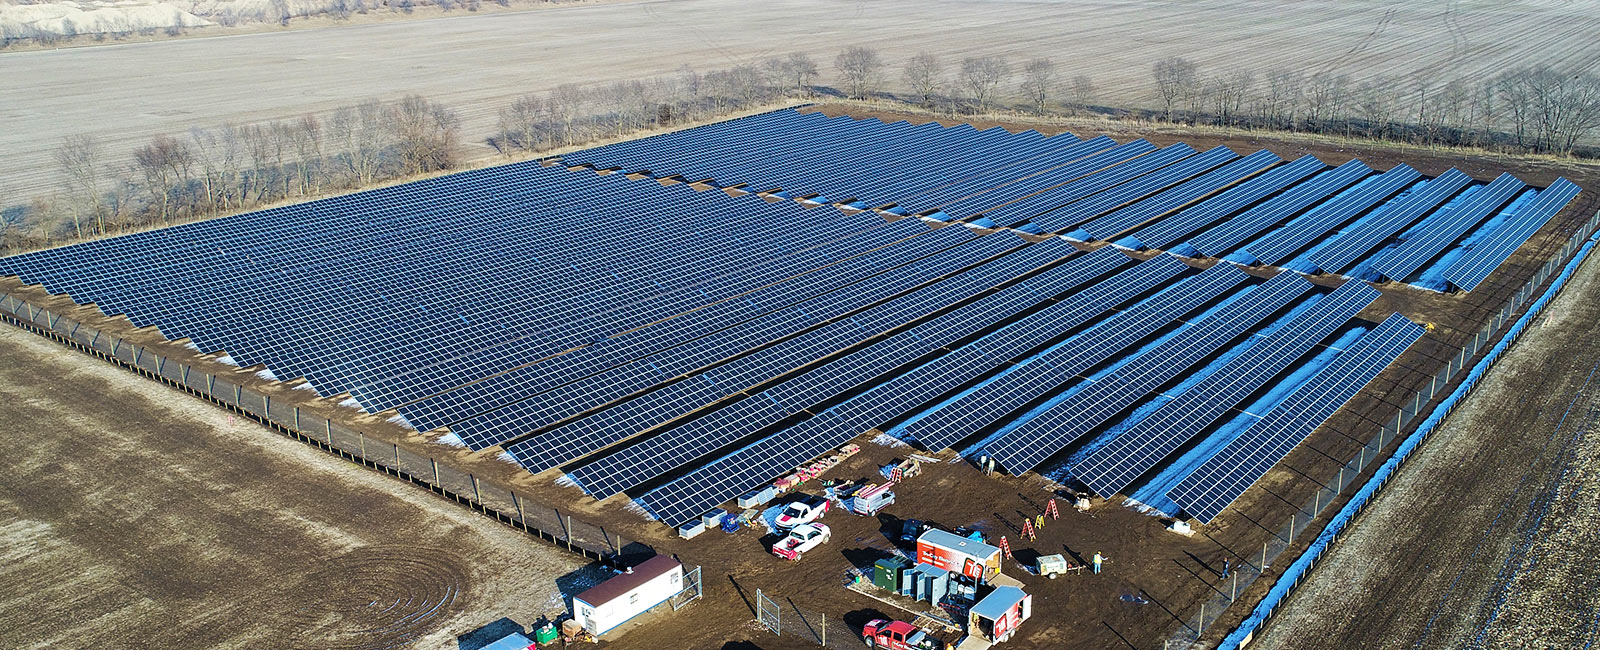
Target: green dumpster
pixel 545 635
pixel 886 573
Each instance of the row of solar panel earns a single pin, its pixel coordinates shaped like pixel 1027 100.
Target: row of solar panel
pixel 1045 193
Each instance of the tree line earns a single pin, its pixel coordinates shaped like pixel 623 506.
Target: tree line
pixel 219 170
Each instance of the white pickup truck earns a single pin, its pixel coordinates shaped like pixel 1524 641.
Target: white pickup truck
pixel 803 511
pixel 803 538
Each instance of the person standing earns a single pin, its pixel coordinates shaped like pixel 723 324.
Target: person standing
pixel 1098 558
pixel 1227 565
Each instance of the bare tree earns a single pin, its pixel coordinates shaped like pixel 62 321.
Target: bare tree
pixel 1039 82
pixel 165 163
pixel 306 136
pixel 1279 104
pixel 1229 92
pixel 521 125
pixel 858 68
pixel 925 74
pixel 1177 79
pixel 1082 90
pixel 1557 108
pixel 565 103
pixel 79 160
pixel 746 83
pixel 426 134
pixel 802 72
pixel 982 75
pixel 1325 95
pixel 1375 104
pixel 358 133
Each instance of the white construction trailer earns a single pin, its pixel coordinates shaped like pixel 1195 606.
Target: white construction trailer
pixel 626 595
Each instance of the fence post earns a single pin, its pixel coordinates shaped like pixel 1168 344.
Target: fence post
pixel 824 621
pixel 569 532
pixel 396 458
pixel 362 437
pixel 476 495
pixel 518 503
pixel 435 465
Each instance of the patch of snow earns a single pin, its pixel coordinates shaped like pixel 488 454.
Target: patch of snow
pixel 505 456
pixel 887 440
pixel 267 375
pixel 450 439
pixel 564 480
pixel 307 386
pixel 402 421
pixel 227 359
pixel 635 507
pixel 351 402
pixel 92 17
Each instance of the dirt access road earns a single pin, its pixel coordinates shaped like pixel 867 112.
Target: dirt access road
pixel 133 515
pixel 126 93
pixel 1487 538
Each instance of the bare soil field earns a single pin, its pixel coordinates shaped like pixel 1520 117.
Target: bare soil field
pixel 133 515
pixel 477 63
pixel 1487 538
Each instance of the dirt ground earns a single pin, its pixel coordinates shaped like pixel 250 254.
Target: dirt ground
pixel 1171 574
pixel 133 515
pixel 1487 538
pixel 477 64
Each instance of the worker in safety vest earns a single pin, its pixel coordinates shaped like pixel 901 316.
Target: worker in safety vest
pixel 1098 558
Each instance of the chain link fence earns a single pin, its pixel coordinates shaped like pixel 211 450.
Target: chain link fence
pixel 499 502
pixel 783 617
pixel 1413 410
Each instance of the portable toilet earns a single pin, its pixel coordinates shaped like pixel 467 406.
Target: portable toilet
pixel 886 573
pixel 626 595
pixel 930 583
pixel 997 617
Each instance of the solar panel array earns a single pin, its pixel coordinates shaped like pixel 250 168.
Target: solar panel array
pixel 1047 433
pixel 1446 227
pixel 1482 259
pixel 1225 476
pixel 1126 457
pixel 685 345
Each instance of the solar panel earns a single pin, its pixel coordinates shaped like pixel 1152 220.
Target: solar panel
pixel 1345 249
pixel 1220 481
pixel 685 498
pixel 1129 455
pixel 1060 219
pixel 643 461
pixel 1138 213
pixel 1280 208
pixel 958 418
pixel 1080 177
pixel 1446 226
pixel 1193 218
pixel 1469 271
pixel 1301 232
pixel 1047 433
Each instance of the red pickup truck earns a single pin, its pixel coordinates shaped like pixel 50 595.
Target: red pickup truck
pixel 899 635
